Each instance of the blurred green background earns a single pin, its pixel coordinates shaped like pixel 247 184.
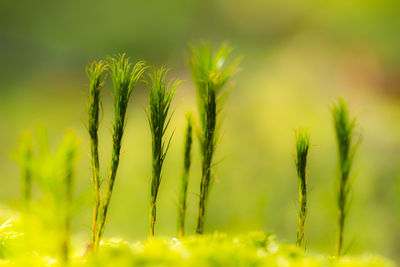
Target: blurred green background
pixel 299 56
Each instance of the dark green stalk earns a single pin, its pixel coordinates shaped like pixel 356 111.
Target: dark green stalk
pixel 302 149
pixel 25 160
pixel 344 130
pixel 210 75
pixel 185 176
pixel 96 78
pixel 160 97
pixel 124 78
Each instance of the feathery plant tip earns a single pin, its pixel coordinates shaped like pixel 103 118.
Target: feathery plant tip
pixel 302 151
pixel 344 126
pixel 160 98
pixel 95 73
pixel 210 73
pixel 124 76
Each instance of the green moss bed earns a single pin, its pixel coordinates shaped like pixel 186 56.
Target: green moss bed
pixel 252 249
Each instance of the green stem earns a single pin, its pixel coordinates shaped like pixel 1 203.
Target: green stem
pixel 185 178
pixel 69 163
pixel 96 183
pixel 117 137
pixel 207 150
pixel 302 149
pixel 344 131
pixel 95 73
pixel 160 98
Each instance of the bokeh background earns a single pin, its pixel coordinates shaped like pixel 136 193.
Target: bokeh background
pixel 299 56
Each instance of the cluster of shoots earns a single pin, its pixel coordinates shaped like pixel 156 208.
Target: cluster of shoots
pixel 344 126
pixel 185 175
pixel 124 77
pixel 160 97
pixel 54 174
pixel 302 151
pixel 210 73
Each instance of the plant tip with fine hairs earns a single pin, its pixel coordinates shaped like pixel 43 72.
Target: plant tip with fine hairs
pixel 160 98
pixel 344 126
pixel 95 73
pixel 302 151
pixel 210 73
pixel 124 76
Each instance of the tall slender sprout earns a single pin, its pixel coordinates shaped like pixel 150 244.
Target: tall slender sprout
pixel 210 75
pixel 95 73
pixel 344 130
pixel 54 175
pixel 302 150
pixel 160 97
pixel 69 151
pixel 124 77
pixel 185 176
pixel 25 158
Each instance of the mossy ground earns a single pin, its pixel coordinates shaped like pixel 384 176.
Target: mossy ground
pixel 252 249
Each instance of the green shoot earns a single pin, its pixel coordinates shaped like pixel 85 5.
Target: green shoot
pixel 55 177
pixel 25 159
pixel 344 130
pixel 185 176
pixel 124 77
pixel 302 149
pixel 68 151
pixel 160 97
pixel 95 74
pixel 210 74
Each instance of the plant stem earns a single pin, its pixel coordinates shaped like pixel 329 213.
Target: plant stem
pixel 160 97
pixel 344 130
pixel 25 160
pixel 185 176
pixel 124 78
pixel 210 75
pixel 208 148
pixel 302 149
pixel 96 77
pixel 69 165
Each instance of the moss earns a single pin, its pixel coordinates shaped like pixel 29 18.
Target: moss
pixel 252 249
pixel 218 249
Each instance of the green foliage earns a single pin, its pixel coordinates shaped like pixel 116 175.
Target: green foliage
pixel 210 74
pixel 96 80
pixel 344 129
pixel 160 97
pixel 49 218
pixel 302 150
pixel 124 77
pixel 185 176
